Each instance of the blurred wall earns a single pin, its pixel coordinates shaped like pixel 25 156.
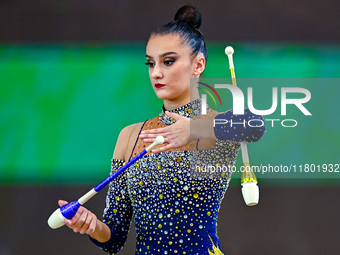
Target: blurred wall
pixel 108 20
pixel 71 73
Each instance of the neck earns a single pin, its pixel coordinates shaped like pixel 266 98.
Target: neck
pixel 178 102
pixel 170 105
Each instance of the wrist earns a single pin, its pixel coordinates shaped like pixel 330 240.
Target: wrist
pixel 102 232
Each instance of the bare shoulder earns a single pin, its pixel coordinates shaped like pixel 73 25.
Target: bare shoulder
pixel 124 140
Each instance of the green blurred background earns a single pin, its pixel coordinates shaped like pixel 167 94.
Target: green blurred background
pixel 63 106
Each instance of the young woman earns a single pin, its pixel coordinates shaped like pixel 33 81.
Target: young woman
pixel 173 202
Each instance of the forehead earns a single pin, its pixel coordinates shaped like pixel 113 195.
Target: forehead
pixel 159 44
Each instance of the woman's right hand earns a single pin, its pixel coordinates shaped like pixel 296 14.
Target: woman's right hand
pixel 84 222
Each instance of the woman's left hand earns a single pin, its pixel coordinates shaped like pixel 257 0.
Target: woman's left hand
pixel 175 135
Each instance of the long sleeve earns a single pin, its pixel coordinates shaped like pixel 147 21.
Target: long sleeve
pixel 118 212
pixel 248 127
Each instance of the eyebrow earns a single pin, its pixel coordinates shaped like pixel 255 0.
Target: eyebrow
pixel 164 54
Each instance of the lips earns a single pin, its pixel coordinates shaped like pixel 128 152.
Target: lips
pixel 158 85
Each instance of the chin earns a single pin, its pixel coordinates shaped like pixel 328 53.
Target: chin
pixel 163 95
pixel 170 95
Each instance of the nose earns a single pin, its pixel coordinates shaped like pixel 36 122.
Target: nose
pixel 156 72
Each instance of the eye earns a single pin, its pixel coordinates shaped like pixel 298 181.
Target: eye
pixel 150 64
pixel 169 62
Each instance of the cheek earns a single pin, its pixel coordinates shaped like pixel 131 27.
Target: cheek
pixel 187 70
pixel 182 74
pixel 150 74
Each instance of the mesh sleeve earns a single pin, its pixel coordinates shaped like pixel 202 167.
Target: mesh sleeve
pixel 118 212
pixel 248 127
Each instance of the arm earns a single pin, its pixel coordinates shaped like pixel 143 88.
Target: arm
pixel 224 126
pixel 86 222
pixel 227 126
pixel 112 232
pixel 117 214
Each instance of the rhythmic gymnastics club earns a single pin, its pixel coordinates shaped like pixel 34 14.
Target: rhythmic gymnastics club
pixel 250 190
pixel 56 220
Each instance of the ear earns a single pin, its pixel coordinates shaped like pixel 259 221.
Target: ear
pixel 199 64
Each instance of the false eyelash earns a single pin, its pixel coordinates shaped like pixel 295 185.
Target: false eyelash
pixel 149 64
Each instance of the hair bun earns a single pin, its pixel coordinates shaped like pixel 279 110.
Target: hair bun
pixel 189 14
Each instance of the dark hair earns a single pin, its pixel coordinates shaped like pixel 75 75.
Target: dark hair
pixel 186 24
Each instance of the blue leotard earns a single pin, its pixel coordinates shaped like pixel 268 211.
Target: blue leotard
pixel 174 196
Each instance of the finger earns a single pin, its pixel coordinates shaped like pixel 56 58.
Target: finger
pixel 92 226
pixel 71 223
pixel 86 224
pixel 167 139
pixel 174 115
pixel 149 131
pixel 151 140
pixel 68 223
pixel 62 202
pixel 148 136
pixel 76 217
pixel 79 223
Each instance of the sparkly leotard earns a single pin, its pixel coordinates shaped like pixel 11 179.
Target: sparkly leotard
pixel 172 199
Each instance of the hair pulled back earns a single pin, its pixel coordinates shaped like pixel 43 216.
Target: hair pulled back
pixel 186 23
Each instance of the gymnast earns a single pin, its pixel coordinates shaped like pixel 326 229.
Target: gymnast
pixel 173 201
